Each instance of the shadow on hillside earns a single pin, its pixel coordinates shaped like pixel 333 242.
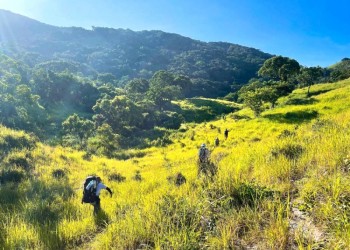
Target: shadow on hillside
pixel 204 110
pixel 295 117
pixel 142 139
pixel 318 92
pixel 301 101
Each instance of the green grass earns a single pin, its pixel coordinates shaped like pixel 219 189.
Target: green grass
pixel 295 156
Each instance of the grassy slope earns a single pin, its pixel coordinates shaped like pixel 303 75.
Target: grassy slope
pixel 290 160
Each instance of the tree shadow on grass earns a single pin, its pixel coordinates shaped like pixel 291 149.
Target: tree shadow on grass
pixel 301 101
pixel 295 117
pixel 204 110
pixel 318 92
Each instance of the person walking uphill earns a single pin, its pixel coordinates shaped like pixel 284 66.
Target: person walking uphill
pixel 92 189
pixel 226 134
pixel 203 154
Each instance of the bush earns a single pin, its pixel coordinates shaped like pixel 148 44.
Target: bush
pixel 13 175
pixel 290 151
pixel 249 194
pixel 178 179
pixel 116 177
pixel 58 173
pixel 286 133
pixel 137 176
pixel 10 140
pixel 20 159
pixel 87 156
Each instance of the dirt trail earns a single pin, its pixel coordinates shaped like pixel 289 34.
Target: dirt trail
pixel 302 229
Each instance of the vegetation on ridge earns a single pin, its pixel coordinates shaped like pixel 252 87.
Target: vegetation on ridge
pixel 271 169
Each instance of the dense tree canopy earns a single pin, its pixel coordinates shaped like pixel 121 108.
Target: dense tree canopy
pixel 279 68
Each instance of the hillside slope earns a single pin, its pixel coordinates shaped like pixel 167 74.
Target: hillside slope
pixel 127 54
pixel 282 182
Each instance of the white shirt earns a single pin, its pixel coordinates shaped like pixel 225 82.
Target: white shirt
pixel 99 187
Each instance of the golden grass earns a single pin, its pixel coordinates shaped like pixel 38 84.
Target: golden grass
pixel 289 157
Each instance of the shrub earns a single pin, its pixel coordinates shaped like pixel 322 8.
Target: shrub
pixel 20 159
pixel 178 179
pixel 12 175
pixel 286 133
pixel 116 177
pixel 137 176
pixel 58 173
pixel 87 156
pixel 10 140
pixel 290 151
pixel 249 194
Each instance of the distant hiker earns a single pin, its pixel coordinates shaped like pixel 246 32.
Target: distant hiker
pixel 91 194
pixel 217 142
pixel 226 134
pixel 203 154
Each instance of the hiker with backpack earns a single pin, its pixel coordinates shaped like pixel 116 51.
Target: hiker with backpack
pixel 226 133
pixel 91 194
pixel 205 167
pixel 203 154
pixel 217 142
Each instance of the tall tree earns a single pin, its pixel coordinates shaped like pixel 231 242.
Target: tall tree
pixel 279 68
pixel 105 142
pixel 79 127
pixel 254 100
pixel 162 88
pixel 136 89
pixel 119 112
pixel 310 76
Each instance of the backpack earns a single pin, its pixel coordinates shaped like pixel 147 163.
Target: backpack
pixel 203 153
pixel 89 192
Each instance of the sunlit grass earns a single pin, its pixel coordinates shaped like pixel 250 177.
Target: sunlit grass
pixel 292 156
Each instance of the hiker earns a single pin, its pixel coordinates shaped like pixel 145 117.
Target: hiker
pixel 92 188
pixel 205 167
pixel 203 154
pixel 226 134
pixel 217 142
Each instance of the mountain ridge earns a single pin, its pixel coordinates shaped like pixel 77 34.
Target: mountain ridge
pixel 131 54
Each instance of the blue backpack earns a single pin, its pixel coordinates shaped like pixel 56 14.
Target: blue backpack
pixel 89 193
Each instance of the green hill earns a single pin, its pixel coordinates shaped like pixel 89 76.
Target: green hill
pixel 282 183
pixel 127 54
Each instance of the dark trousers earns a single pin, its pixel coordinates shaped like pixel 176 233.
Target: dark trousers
pixel 97 205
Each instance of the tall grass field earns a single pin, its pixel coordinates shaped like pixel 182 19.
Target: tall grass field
pixel 282 182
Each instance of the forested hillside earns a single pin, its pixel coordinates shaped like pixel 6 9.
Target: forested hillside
pixel 126 54
pixel 103 90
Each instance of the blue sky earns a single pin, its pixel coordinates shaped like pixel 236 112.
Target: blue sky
pixel 314 32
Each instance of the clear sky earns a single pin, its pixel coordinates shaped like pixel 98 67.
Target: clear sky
pixel 314 32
